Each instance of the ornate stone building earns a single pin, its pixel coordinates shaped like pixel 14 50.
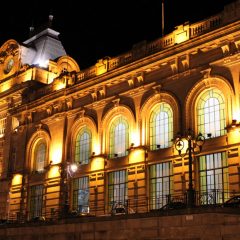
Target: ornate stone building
pixel 88 142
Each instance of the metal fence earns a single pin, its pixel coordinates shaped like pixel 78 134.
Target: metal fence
pixel 213 198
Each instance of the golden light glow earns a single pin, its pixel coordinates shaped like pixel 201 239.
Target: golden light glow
pixel 54 172
pixel 181 37
pixel 234 135
pixel 236 115
pixel 56 154
pixel 59 85
pixel 185 146
pixel 97 163
pixel 5 86
pixel 135 138
pixel 51 77
pixel 101 70
pixel 17 179
pixel 73 167
pixel 27 75
pixel 181 33
pixel 96 147
pixel 101 66
pixel 136 155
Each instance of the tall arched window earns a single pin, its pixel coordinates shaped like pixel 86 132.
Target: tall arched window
pixel 119 137
pixel 83 146
pixel 161 126
pixel 40 155
pixel 211 113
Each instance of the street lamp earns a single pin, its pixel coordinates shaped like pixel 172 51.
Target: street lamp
pixel 191 145
pixel 67 171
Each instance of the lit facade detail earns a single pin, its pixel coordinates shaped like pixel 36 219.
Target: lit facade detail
pixel 117 122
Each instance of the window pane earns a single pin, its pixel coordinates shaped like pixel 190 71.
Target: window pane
pixel 81 195
pixel 211 116
pixel 161 127
pixel 36 201
pixel 83 146
pixel 117 188
pixel 40 155
pixel 213 172
pixel 119 137
pixel 160 184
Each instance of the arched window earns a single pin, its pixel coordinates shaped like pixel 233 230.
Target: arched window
pixel 161 126
pixel 119 137
pixel 40 155
pixel 83 146
pixel 211 113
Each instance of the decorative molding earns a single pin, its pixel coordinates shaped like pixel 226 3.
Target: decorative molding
pixel 206 73
pixel 69 103
pixel 225 49
pixel 157 88
pixel 49 110
pixel 94 95
pixel 116 102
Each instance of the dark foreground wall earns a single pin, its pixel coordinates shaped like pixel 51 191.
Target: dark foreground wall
pixel 203 226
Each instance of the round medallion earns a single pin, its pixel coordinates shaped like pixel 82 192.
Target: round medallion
pixel 9 65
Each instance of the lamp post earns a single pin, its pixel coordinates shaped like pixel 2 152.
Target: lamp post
pixel 67 171
pixel 191 145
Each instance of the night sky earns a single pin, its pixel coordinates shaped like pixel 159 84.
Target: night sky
pixel 96 29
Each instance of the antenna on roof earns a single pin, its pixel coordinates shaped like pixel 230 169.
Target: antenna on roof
pixel 162 18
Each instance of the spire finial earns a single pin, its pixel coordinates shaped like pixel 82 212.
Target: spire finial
pixel 50 19
pixel 31 30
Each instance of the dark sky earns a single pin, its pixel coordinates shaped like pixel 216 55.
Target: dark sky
pixel 96 29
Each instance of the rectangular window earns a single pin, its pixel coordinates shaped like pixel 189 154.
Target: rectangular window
pixel 81 195
pixel 3 122
pixel 161 178
pixel 213 172
pixel 36 201
pixel 117 188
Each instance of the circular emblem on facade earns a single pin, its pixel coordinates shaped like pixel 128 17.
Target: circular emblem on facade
pixel 9 58
pixel 8 65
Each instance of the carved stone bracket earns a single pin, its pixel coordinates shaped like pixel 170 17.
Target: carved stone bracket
pixel 116 102
pixel 157 88
pixel 49 110
pixel 206 73
pixel 69 103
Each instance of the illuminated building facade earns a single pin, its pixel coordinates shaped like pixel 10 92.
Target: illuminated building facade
pixel 118 121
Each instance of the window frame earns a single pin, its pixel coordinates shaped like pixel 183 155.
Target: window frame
pixel 206 115
pixel 160 174
pixel 83 157
pixel 155 122
pixel 122 134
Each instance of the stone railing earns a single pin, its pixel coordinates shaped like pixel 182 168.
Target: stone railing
pixel 144 49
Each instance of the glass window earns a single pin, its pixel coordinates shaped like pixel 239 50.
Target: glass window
pixel 213 172
pixel 3 121
pixel 81 194
pixel 119 137
pixel 117 188
pixel 161 177
pixel 161 127
pixel 36 201
pixel 40 155
pixel 83 146
pixel 211 114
